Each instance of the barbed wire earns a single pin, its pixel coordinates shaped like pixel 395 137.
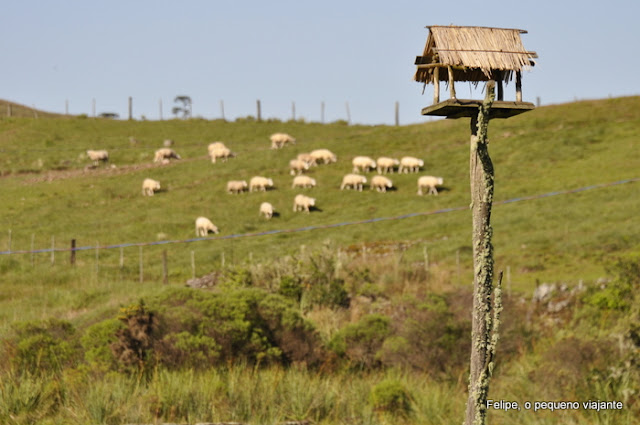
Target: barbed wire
pixel 322 226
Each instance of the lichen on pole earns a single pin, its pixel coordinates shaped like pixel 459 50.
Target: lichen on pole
pixel 485 316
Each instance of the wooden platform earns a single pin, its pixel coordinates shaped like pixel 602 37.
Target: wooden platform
pixel 462 108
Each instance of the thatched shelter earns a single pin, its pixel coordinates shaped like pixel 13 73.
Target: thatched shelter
pixel 473 54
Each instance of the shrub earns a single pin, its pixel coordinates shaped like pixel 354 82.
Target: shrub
pixel 360 342
pixel 391 397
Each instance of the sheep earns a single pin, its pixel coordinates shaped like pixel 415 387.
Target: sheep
pixel 260 183
pixel 149 186
pixel 97 156
pixel 381 183
pixel 215 145
pixel 204 226
pixel 386 165
pixel 303 181
pixel 163 155
pixel 354 181
pixel 267 210
pixel 429 182
pixel 236 186
pixel 168 143
pixel 323 154
pixel 223 153
pixel 278 140
pixel 363 162
pixel 410 164
pixel 306 157
pixel 303 203
pixel 297 166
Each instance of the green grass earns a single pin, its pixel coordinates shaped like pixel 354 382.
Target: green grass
pixel 46 193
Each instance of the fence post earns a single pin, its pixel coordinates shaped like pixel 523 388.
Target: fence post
pixel 293 111
pixel 53 250
pixel 141 278
pixel 9 240
pixel 222 109
pixel 259 110
pixel 66 107
pixel 348 113
pixel 32 244
pixel 322 112
pixel 9 111
pixel 121 258
pixel 425 254
pixel 165 268
pixel 73 252
pixel 193 264
pixel 160 106
pixel 397 114
pixel 93 107
pixel 97 260
pixel 130 108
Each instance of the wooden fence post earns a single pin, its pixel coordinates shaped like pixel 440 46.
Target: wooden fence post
pixel 322 112
pixel 397 113
pixel 258 110
pixel 165 268
pixel 141 277
pixel 10 235
pixel 32 245
pixel 193 264
pixel 130 108
pixel 53 250
pixel 348 113
pixel 73 252
pixel 222 109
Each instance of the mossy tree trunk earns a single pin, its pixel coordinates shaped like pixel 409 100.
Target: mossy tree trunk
pixel 484 316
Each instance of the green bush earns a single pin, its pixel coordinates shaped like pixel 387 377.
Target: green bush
pixel 391 397
pixel 620 293
pixel 360 342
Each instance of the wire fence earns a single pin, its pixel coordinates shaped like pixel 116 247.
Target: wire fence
pixel 314 227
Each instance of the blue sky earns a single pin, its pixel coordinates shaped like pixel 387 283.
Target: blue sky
pixel 334 51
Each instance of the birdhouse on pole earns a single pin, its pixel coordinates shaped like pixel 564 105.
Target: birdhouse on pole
pixel 474 54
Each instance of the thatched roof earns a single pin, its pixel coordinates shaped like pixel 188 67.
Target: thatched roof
pixel 474 53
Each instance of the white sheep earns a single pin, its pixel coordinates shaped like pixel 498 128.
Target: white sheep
pixel 163 155
pixel 323 154
pixel 149 186
pixel 429 182
pixel 97 156
pixel 381 183
pixel 260 183
pixel 306 157
pixel 363 163
pixel 297 166
pixel 278 140
pixel 236 186
pixel 223 153
pixel 204 226
pixel 168 143
pixel 267 210
pixel 215 145
pixel 354 181
pixel 303 181
pixel 410 164
pixel 386 165
pixel 303 203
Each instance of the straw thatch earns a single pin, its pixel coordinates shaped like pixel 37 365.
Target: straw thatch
pixel 473 53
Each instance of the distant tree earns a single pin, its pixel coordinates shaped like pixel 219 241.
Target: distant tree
pixel 184 110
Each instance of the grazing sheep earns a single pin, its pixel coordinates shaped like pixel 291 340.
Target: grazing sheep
pixel 278 140
pixel 215 145
pixel 266 209
pixel 204 226
pixel 386 165
pixel 149 186
pixel 163 155
pixel 168 143
pixel 306 157
pixel 221 153
pixel 97 156
pixel 323 154
pixel 303 181
pixel 354 181
pixel 297 166
pixel 381 183
pixel 410 164
pixel 363 163
pixel 303 203
pixel 260 183
pixel 236 186
pixel 429 182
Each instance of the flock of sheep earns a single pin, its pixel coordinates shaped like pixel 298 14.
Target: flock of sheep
pixel 297 167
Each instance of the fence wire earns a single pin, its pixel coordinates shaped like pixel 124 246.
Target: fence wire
pixel 322 226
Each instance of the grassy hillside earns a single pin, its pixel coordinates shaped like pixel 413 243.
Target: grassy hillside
pixel 50 194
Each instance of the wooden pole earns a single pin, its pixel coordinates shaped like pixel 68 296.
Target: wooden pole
pixel 66 107
pixel 9 111
pixel 93 107
pixel 293 111
pixel 121 258
pixel 452 86
pixel 141 270
pixel 130 108
pixel 193 264
pixel 322 112
pixel 72 260
pixel 32 245
pixel 436 85
pixel 519 86
pixel 484 316
pixel 348 113
pixel 258 110
pixel 10 240
pixel 397 113
pixel 165 268
pixel 53 250
pixel 222 109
